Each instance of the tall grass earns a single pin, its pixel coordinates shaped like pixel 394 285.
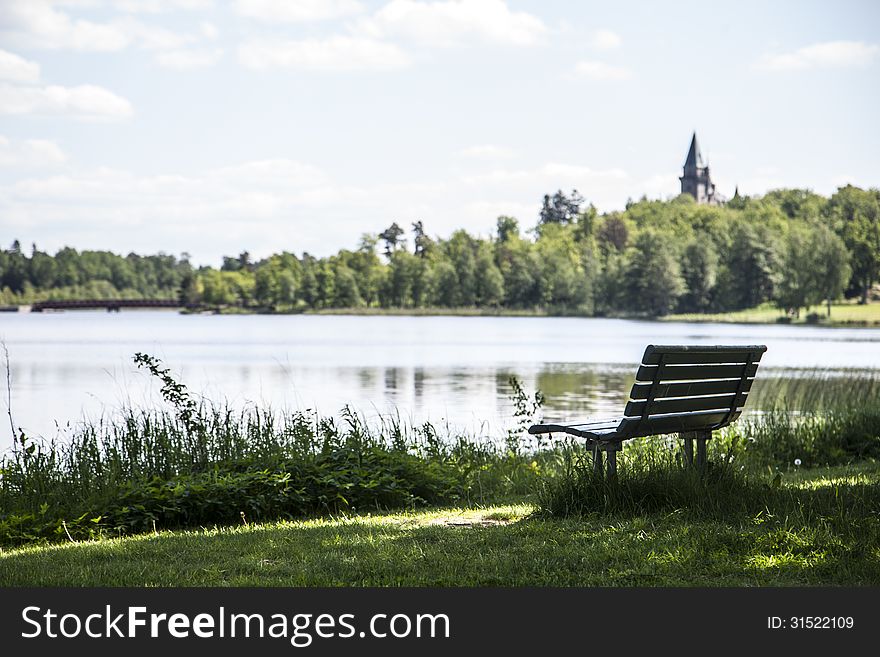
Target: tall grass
pixel 811 418
pixel 196 464
pixel 149 465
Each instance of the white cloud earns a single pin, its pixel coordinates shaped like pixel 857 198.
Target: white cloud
pixel 21 92
pixel 297 11
pixel 552 173
pixel 337 53
pixel 487 152
pixel 596 70
pixel 85 102
pixel 30 153
pixel 152 37
pixel 189 60
pixel 830 54
pixel 605 40
pixel 161 6
pixel 452 22
pixel 37 24
pixel 18 69
pixel 571 171
pixel 209 30
pixel 661 185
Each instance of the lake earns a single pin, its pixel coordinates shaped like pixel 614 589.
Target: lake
pixel 74 365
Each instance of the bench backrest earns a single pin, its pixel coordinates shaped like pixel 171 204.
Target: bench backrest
pixel 689 388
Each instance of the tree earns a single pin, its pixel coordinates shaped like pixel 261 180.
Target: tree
pixel 422 243
pixel 613 233
pixel 796 286
pixel 699 269
pixel 346 293
pixel 13 268
pixel 507 227
pixel 445 284
pixel 189 293
pixel 391 237
pixel 832 264
pixel 560 209
pixel 243 261
pixel 653 276
pixel 814 267
pixel 801 204
pixel 520 271
pixel 855 214
pixel 490 282
pixel 750 266
pixel 563 282
pixel 460 249
pixel 401 279
pixel 369 270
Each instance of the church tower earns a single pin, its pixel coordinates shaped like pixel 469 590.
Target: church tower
pixel 696 180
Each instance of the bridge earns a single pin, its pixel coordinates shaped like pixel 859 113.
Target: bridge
pixel 110 305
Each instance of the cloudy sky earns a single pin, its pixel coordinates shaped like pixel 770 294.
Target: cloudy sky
pixel 209 127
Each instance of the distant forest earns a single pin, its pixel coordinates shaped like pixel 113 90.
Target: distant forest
pixel 791 247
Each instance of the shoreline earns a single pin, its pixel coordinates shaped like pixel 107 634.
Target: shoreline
pixel 853 316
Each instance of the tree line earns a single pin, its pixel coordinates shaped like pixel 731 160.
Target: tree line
pixel 791 247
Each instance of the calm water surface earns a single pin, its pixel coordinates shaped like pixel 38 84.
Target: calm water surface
pixel 74 365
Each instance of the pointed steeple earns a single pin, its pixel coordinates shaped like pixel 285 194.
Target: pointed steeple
pixel 696 180
pixel 694 159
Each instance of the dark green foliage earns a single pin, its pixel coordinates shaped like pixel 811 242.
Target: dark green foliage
pixel 653 279
pixel 699 272
pixel 561 208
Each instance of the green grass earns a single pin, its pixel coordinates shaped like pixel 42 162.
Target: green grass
pixel 842 314
pixel 503 545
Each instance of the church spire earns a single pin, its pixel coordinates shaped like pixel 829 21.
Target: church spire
pixel 696 180
pixel 694 157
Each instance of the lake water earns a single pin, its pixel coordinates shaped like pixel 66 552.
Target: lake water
pixel 74 365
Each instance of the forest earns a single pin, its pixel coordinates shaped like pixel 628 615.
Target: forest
pixel 791 247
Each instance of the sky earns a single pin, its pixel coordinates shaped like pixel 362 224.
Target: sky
pixel 209 128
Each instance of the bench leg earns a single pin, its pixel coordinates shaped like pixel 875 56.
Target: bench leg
pixel 597 460
pixel 702 438
pixel 688 439
pixel 611 453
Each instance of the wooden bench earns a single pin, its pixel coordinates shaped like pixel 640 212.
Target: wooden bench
pixel 689 390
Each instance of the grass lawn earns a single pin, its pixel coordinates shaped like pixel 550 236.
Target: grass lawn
pixel 500 545
pixel 843 313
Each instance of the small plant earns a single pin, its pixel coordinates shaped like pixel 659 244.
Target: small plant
pixel 174 392
pixel 525 410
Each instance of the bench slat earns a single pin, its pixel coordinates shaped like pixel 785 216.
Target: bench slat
pixel 655 425
pixel 695 372
pixel 687 354
pixel 701 358
pixel 689 388
pixel 662 406
pixel 574 429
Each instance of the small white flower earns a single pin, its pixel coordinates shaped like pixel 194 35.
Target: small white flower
pixel 797 461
